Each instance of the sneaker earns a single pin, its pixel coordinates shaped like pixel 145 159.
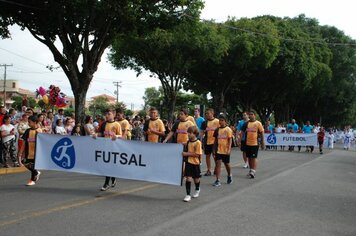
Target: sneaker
pixel 113 183
pixel 30 183
pixel 196 193
pixel 16 164
pixel 187 198
pixel 245 166
pixel 105 187
pixel 252 175
pixel 208 173
pixel 229 180
pixel 217 183
pixel 37 177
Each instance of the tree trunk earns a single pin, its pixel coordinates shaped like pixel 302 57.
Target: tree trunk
pixel 80 93
pixel 172 99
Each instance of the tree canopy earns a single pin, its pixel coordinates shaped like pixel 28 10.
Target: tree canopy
pixel 78 31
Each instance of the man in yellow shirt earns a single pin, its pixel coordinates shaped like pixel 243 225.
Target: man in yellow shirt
pixel 180 128
pixel 125 125
pixel 223 139
pixel 109 129
pixel 252 130
pixel 207 136
pixel 154 128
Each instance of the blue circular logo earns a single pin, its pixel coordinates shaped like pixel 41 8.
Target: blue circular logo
pixel 63 154
pixel 271 139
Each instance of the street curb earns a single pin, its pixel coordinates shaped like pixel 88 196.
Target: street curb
pixel 5 171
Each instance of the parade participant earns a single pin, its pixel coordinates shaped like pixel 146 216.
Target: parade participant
pixel 331 138
pixel 292 128
pixel 242 141
pixel 207 137
pixel 8 142
pixel 29 148
pixel 347 135
pixel 222 149
pixel 308 129
pixel 125 125
pixel 180 128
pixel 192 158
pixel 109 129
pixel 154 127
pixel 198 119
pixel 321 136
pixel 253 129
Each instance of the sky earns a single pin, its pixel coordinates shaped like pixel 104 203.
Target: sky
pixel 29 57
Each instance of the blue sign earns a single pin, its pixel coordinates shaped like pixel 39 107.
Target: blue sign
pixel 271 139
pixel 63 153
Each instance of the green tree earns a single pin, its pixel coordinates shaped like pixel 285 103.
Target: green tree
pixel 246 52
pixel 168 54
pixel 18 102
pixel 98 106
pixel 77 32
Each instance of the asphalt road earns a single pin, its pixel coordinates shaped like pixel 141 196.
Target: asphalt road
pixel 293 194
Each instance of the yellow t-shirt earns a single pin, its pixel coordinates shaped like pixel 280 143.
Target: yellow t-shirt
pixel 252 130
pixel 223 135
pixel 30 142
pixel 125 126
pixel 156 125
pixel 195 147
pixel 191 119
pixel 112 129
pixel 210 127
pixel 181 129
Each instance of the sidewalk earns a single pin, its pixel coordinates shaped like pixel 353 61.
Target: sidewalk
pixel 12 170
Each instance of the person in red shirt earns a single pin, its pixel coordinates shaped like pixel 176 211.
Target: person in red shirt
pixel 321 135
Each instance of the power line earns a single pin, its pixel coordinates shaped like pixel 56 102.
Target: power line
pixel 26 58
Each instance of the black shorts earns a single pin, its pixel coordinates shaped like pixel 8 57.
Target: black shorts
pixel 243 146
pixel 208 149
pixel 192 170
pixel 251 151
pixel 223 157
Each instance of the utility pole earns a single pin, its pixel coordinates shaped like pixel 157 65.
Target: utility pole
pixel 117 84
pixel 5 66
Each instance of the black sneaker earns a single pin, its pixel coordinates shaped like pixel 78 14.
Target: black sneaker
pixel 113 183
pixel 252 175
pixel 229 180
pixel 105 187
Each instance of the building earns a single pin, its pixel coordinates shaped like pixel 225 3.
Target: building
pixel 12 89
pixel 110 99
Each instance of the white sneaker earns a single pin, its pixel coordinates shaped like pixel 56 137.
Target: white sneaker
pixel 30 183
pixel 187 198
pixel 245 166
pixel 196 193
pixel 37 177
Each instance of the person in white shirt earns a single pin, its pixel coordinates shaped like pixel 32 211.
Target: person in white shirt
pixel 8 141
pixel 59 128
pixel 331 138
pixel 347 135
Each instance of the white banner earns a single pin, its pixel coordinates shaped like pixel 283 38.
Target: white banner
pixel 154 162
pixel 292 139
